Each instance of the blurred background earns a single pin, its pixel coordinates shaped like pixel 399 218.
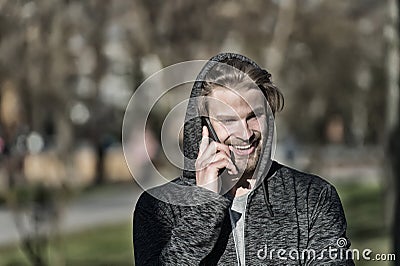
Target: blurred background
pixel 68 69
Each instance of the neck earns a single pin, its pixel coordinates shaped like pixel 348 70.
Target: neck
pixel 241 192
pixel 244 186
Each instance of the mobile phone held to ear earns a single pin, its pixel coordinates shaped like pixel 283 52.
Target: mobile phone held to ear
pixel 205 120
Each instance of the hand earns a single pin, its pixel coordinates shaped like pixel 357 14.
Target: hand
pixel 212 158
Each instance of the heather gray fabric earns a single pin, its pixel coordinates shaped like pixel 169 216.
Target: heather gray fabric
pixel 287 210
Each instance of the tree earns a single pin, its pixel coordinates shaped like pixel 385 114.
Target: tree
pixel 393 120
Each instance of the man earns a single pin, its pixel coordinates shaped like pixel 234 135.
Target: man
pixel 235 205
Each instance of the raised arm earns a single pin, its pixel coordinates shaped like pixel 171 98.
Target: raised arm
pixel 164 234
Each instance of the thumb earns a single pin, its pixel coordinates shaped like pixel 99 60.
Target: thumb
pixel 204 140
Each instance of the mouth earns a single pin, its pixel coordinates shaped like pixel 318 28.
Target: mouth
pixel 242 150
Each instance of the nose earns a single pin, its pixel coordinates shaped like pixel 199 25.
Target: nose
pixel 245 133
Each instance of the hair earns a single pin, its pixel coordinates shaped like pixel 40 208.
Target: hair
pixel 237 74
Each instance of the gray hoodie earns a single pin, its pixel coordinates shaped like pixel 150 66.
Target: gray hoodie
pixel 290 217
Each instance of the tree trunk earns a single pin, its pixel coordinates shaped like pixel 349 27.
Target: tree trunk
pixel 275 53
pixel 392 130
pixel 395 159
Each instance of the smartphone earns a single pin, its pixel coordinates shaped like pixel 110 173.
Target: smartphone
pixel 205 120
pixel 212 134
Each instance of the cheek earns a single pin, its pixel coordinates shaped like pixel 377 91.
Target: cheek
pixel 255 124
pixel 222 131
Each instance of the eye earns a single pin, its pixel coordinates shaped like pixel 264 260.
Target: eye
pixel 255 116
pixel 227 121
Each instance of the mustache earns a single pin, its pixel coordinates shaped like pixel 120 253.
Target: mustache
pixel 235 141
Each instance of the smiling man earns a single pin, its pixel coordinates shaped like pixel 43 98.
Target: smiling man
pixel 238 206
pixel 238 114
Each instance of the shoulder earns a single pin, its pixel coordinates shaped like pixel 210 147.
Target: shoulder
pixel 301 178
pixel 308 185
pixel 157 195
pixel 153 204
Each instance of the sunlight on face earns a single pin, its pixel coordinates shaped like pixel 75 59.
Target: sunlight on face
pixel 239 119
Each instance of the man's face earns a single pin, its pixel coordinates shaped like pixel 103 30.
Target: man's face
pixel 239 119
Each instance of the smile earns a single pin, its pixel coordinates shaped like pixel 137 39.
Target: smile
pixel 243 149
pixel 246 147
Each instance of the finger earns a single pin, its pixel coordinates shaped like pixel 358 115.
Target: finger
pixel 228 162
pixel 221 147
pixel 203 162
pixel 216 157
pixel 231 167
pixel 215 147
pixel 210 155
pixel 224 163
pixel 204 140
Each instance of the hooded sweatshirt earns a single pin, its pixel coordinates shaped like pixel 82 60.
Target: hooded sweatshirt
pixel 288 218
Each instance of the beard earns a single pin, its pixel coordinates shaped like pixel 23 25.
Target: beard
pixel 247 165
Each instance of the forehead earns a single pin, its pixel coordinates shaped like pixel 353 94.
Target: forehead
pixel 224 100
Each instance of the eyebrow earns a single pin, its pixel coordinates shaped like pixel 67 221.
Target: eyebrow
pixel 257 110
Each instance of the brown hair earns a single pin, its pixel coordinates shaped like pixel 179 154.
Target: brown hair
pixel 235 73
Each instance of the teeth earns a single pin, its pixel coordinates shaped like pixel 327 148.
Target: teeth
pixel 242 147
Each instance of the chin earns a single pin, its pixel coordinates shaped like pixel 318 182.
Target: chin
pixel 251 165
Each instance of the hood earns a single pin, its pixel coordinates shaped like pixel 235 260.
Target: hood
pixel 193 128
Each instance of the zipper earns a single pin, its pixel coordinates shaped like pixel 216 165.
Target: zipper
pixel 244 229
pixel 238 257
pixel 234 237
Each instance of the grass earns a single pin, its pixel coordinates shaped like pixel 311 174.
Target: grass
pixel 106 245
pixel 364 208
pixel 111 245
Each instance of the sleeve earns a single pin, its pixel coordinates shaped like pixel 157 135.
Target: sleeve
pixel 164 234
pixel 327 231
